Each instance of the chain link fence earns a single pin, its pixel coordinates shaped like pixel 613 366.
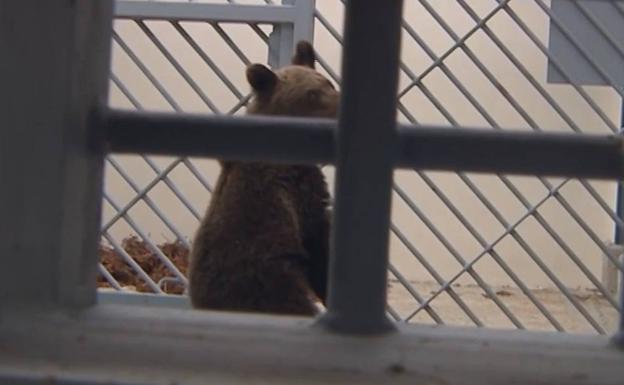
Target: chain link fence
pixel 466 249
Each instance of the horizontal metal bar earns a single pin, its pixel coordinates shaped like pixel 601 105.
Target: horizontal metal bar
pixel 302 140
pixel 513 152
pixel 110 344
pixel 109 297
pixel 231 13
pixel 222 137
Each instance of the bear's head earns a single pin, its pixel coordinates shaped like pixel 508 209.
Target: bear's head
pixel 294 90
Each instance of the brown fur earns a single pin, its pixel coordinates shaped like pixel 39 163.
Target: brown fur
pixel 298 91
pixel 262 245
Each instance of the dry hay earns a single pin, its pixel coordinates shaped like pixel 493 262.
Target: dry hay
pixel 144 255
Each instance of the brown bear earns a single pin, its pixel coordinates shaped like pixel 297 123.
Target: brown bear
pixel 262 245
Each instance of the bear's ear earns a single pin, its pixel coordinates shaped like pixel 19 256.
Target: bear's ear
pixel 304 54
pixel 261 79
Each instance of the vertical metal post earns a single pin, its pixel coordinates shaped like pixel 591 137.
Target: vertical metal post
pixel 284 37
pixel 619 209
pixel 619 335
pixel 54 76
pixel 619 235
pixel 281 44
pixel 367 147
pixel 304 23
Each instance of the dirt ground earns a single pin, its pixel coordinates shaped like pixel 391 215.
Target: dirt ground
pixel 402 302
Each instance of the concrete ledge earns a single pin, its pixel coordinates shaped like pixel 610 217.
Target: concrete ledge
pixel 114 297
pixel 139 345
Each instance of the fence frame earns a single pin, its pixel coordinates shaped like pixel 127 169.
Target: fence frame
pixel 293 20
pixel 52 330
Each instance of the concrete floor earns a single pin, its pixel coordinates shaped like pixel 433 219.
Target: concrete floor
pixel 519 304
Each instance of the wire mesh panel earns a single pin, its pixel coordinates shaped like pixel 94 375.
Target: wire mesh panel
pixel 176 66
pixel 466 249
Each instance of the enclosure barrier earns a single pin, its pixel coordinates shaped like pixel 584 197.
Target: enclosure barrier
pixel 148 20
pixel 313 141
pixel 51 330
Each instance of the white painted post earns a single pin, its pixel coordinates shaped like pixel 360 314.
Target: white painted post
pixel 281 45
pixel 285 36
pixel 609 276
pixel 54 76
pixel 304 20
